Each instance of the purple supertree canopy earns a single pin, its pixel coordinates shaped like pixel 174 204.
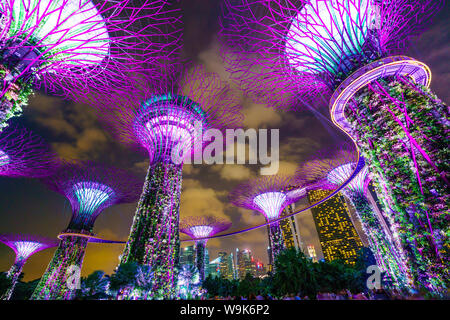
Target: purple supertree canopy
pixel 91 188
pixel 24 154
pixel 336 169
pixel 203 226
pixel 267 194
pixel 312 45
pixel 168 117
pixel 70 47
pixel 25 246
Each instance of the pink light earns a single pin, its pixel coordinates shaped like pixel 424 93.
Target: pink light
pixel 25 249
pixel 271 203
pixel 201 231
pixel 340 174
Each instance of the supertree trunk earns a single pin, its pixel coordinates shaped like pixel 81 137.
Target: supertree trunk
pixel 383 247
pixel 13 274
pixel 200 258
pixel 154 238
pixel 58 283
pixel 402 130
pixel 276 240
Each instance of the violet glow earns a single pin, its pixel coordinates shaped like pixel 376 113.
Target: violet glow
pixel 271 204
pixel 169 116
pixel 268 194
pixel 202 231
pixel 25 246
pixel 168 126
pixel 72 31
pixel 277 49
pixel 203 226
pixel 91 188
pixel 75 48
pixel 24 154
pixel 4 159
pixel 341 173
pixel 91 195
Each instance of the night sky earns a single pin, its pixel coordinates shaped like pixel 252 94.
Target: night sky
pixel 74 132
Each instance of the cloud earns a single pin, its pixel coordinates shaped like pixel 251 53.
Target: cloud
pixel 235 172
pixel 200 201
pixel 259 116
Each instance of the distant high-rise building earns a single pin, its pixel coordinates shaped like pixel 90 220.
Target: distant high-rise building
pixel 290 229
pixel 213 268
pixel 226 265
pixel 337 234
pixel 260 269
pixel 312 253
pixel 245 263
pixel 187 256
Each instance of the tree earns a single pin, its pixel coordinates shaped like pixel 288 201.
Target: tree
pixel 94 286
pixel 294 273
pixel 123 280
pixel 248 286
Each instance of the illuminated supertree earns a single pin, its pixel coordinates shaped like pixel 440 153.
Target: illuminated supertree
pixel 24 154
pixel 168 120
pixel 269 195
pixel 199 229
pixel 90 189
pixel 24 246
pixel 385 245
pixel 381 99
pixel 71 46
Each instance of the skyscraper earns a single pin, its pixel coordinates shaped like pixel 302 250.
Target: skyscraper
pixel 337 235
pixel 290 230
pixel 246 263
pixel 187 256
pixel 226 265
pixel 260 269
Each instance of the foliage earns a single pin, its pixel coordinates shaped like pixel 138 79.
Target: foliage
pixel 94 287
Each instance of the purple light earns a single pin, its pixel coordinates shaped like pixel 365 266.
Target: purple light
pixel 91 195
pixel 201 231
pixel 91 188
pixel 168 117
pixel 341 173
pixel 271 204
pixel 267 194
pixel 24 154
pixel 203 226
pixel 4 159
pixel 277 49
pixel 25 246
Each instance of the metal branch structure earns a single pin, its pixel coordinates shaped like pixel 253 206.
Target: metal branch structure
pixel 24 246
pixel 90 189
pixel 380 98
pixel 199 229
pixel 384 244
pixel 70 47
pixel 168 119
pixel 268 195
pixel 25 154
